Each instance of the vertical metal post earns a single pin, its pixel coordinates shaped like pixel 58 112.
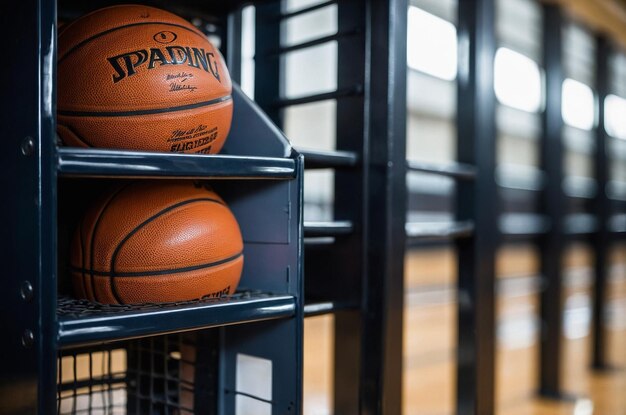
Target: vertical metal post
pixel 28 250
pixel 233 44
pixel 553 202
pixel 267 67
pixel 349 204
pixel 476 201
pixel 385 198
pixel 601 208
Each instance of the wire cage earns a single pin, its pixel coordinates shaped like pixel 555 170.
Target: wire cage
pixel 170 374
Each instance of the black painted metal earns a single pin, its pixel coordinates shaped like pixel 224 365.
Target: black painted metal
pixel 317 159
pixel 95 328
pixel 355 90
pixel 346 274
pixel 602 208
pixel 28 350
pixel 553 203
pixel 385 197
pixel 232 44
pixel 455 170
pixel 332 228
pixel 308 9
pixel 76 162
pixel 477 202
pixel 315 42
pixel 267 65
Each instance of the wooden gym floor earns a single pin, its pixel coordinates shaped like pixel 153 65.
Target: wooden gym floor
pixel 430 338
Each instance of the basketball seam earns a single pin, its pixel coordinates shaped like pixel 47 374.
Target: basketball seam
pixel 164 271
pixel 106 32
pixel 71 130
pixel 93 237
pixel 141 225
pixel 143 112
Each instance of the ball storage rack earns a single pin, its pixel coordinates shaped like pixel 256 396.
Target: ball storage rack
pixel 200 357
pixel 244 355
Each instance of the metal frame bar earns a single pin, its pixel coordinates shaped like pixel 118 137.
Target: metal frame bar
pixel 350 188
pixel 308 9
pixel 457 171
pixel 355 90
pixel 28 358
pixel 552 244
pixel 385 197
pixel 475 201
pixel 602 208
pixel 267 66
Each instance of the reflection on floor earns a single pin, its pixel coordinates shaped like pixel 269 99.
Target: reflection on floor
pixel 430 338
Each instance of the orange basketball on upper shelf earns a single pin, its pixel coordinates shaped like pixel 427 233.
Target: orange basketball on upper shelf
pixel 137 77
pixel 153 241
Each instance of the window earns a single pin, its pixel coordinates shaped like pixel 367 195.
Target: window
pixel 615 116
pixel 431 44
pixel 517 80
pixel 577 108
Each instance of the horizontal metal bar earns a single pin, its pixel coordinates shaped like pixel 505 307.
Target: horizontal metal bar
pixel 91 329
pixel 523 224
pixel 339 93
pixel 329 228
pixel 76 385
pixel 327 307
pixel 438 230
pixel 132 164
pixel 317 159
pixel 307 9
pixel 314 42
pixel 455 170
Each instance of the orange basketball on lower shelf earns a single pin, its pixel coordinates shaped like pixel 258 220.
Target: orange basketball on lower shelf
pixel 157 242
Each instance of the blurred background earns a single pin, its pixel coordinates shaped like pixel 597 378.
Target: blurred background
pixel 430 269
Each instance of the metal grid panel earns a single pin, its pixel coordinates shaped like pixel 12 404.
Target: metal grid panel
pixel 157 375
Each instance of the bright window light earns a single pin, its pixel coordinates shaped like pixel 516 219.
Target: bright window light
pixel 615 116
pixel 577 107
pixel 431 44
pixel 517 80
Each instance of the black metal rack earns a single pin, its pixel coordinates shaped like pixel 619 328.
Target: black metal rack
pixel 257 167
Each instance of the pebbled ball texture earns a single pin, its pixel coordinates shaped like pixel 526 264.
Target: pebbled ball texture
pixel 154 242
pixel 136 77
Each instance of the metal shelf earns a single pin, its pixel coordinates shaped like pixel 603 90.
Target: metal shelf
pixel 78 162
pixel 81 322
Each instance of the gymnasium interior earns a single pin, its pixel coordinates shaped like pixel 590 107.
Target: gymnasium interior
pixel 426 201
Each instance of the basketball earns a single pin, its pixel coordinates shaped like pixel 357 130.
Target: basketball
pixel 140 78
pixel 151 241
